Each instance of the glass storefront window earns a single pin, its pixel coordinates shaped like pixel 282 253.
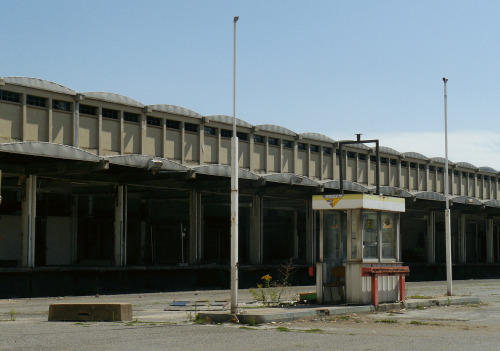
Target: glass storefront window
pixel 331 233
pixel 370 238
pixel 389 229
pixel 355 231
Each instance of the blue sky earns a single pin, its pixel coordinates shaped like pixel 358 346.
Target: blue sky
pixel 333 67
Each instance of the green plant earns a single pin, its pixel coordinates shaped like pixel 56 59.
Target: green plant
pixel 421 297
pixel 418 323
pixel 12 315
pixel 252 321
pixel 316 330
pixel 270 293
pixel 283 329
pixel 390 321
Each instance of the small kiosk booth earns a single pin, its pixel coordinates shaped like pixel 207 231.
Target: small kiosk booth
pixel 359 249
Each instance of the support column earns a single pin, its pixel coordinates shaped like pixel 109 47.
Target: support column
pixel 28 222
pixel 310 237
pixel 74 230
pixel 461 240
pixel 431 238
pixel 195 220
pixel 489 241
pixel 255 244
pixel 119 239
pixel 295 236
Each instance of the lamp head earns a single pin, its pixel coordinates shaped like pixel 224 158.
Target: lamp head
pixel 236 18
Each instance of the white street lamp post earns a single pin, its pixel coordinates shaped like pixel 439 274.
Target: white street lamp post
pixel 234 193
pixel 447 219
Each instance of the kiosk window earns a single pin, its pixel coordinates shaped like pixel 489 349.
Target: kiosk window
pixel 354 251
pixel 370 239
pixel 389 228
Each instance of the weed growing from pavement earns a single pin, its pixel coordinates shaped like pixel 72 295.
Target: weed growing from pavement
pixel 389 321
pixel 12 315
pixel 283 329
pixel 248 328
pixel 316 330
pixel 419 297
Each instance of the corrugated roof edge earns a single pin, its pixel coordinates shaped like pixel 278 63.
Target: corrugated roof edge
pixel 38 83
pixel 275 129
pixel 317 136
pixel 114 98
pixel 176 110
pixel 229 120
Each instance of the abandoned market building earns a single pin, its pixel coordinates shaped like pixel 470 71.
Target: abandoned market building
pixel 102 193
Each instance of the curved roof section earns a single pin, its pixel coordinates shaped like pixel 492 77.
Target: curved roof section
pixel 176 110
pixel 467 200
pixel 394 191
pixel 275 129
pixel 387 150
pixel 290 178
pixel 224 171
pixel 36 148
pixel 112 97
pixel 348 185
pixel 228 120
pixel 441 160
pixel 492 203
pixel 317 136
pixel 466 165
pixel 488 169
pixel 39 84
pixel 430 195
pixel 415 155
pixel 356 146
pixel 142 161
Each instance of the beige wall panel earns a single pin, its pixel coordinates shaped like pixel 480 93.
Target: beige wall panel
pixel 456 185
pixel 273 159
pixel 62 128
pixel 440 183
pixel 36 124
pixel 110 153
pixel 371 174
pixel 243 154
pixel 487 190
pixel 152 142
pixel 327 167
pixel 479 189
pixel 259 156
pixel 421 180
pixel 110 135
pixel 192 147
pixel 384 174
pixel 413 179
pixel 362 172
pixel 287 161
pixel 471 187
pixel 87 133
pixel 301 163
pixel 225 151
pixel 393 175
pixel 173 144
pixel 210 149
pixel 404 178
pixel 131 138
pixel 351 170
pixel 463 185
pixel 11 121
pixel 315 165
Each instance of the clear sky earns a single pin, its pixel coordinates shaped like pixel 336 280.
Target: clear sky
pixel 333 67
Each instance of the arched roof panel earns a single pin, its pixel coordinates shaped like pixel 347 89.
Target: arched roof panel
pixel 317 136
pixel 415 155
pixel 224 171
pixel 290 178
pixel 175 110
pixel 44 149
pixel 147 162
pixel 112 97
pixel 348 185
pixel 37 83
pixel 429 195
pixel 394 191
pixel 441 160
pixel 228 120
pixel 275 129
pixel 466 165
pixel 488 169
pixel 467 200
pixel 387 150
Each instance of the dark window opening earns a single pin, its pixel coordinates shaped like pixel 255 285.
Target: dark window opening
pixel 404 164
pixel 107 113
pixel 36 101
pixel 61 105
pixel 384 160
pixel 131 117
pixel 273 141
pixel 172 124
pixel 88 110
pixel 242 136
pixel 258 139
pixel 10 96
pixel 153 121
pixel 301 146
pixel 189 127
pixel 287 144
pixel 226 133
pixel 413 165
pixel 362 157
pixel 393 162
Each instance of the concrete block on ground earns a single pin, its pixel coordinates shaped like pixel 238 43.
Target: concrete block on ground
pixel 102 312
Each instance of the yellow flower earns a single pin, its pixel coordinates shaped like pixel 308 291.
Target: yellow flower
pixel 267 277
pixel 259 286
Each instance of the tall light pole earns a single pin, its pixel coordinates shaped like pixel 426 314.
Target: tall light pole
pixel 234 193
pixel 447 219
